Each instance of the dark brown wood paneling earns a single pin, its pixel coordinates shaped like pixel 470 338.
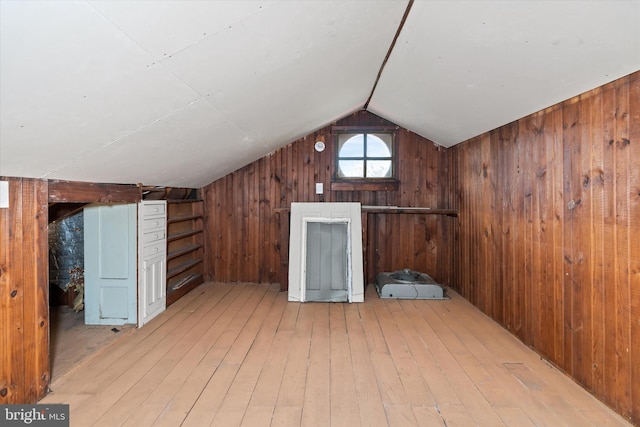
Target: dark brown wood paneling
pixel 24 293
pixel 554 200
pixel 244 240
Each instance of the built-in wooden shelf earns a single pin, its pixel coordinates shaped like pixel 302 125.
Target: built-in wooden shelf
pixel 397 210
pixel 366 185
pixel 185 247
pixel 409 210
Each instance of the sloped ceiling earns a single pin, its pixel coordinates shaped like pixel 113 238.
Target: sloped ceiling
pixel 462 68
pixel 182 93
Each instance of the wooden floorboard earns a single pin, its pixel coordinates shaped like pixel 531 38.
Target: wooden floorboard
pixel 72 341
pixel 240 354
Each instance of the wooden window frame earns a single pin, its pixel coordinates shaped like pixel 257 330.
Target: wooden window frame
pixel 366 184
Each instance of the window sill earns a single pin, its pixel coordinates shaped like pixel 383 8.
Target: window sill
pixel 365 185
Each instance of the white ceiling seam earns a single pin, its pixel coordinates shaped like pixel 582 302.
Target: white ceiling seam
pixel 139 39
pixel 166 28
pixel 122 138
pixel 63 95
pixel 386 58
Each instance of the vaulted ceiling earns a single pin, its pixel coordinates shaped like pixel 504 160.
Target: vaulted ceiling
pixel 180 93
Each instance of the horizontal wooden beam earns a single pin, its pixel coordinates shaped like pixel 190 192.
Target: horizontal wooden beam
pixel 90 192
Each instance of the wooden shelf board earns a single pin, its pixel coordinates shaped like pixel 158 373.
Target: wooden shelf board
pixel 176 201
pixel 395 210
pixel 183 218
pixel 181 268
pixel 184 250
pixel 182 235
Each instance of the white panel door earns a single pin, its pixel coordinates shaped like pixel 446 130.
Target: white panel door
pixel 110 264
pixel 153 288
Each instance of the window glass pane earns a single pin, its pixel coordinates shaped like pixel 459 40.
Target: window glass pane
pixel 378 168
pixel 351 168
pixel 377 146
pixel 350 145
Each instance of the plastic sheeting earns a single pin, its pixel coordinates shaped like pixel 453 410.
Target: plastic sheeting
pixel 66 248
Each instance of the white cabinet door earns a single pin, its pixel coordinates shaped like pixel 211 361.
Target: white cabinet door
pixel 110 264
pixel 153 289
pixel 152 260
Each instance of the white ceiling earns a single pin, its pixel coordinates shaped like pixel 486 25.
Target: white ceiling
pixel 180 93
pixel 462 68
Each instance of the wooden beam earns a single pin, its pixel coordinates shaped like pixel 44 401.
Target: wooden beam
pixel 90 192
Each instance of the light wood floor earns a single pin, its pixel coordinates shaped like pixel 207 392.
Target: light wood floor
pixel 72 341
pixel 241 354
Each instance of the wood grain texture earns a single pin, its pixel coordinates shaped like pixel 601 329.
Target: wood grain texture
pixel 240 354
pixel 89 192
pixel 245 240
pixel 24 293
pixel 553 200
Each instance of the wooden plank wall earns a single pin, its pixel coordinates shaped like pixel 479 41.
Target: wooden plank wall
pixel 547 241
pixel 24 293
pixel 242 226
